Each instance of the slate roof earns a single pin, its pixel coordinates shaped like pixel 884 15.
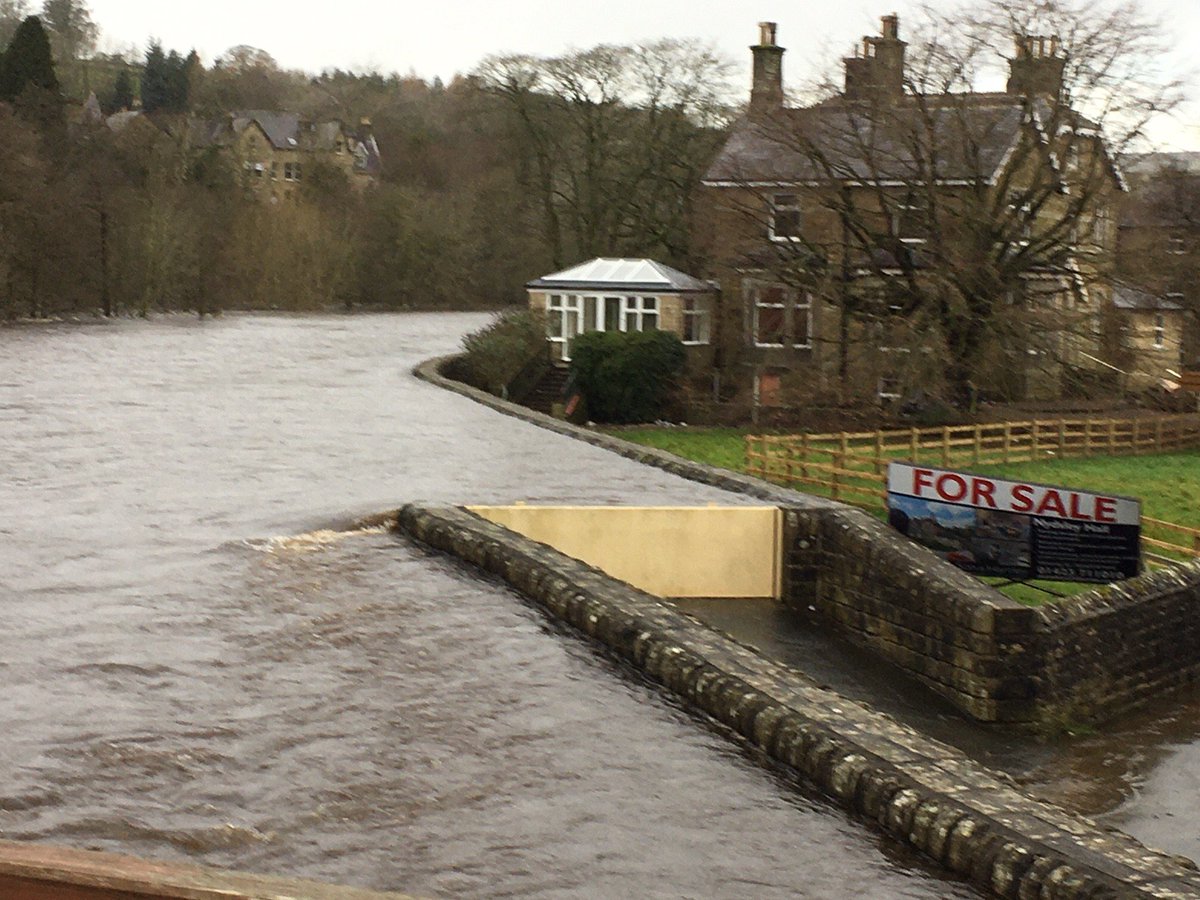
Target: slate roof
pixel 1126 296
pixel 623 275
pixel 1159 163
pixel 1163 197
pixel 285 130
pixel 971 135
pixel 288 131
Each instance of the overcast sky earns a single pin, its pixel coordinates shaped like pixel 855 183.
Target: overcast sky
pixel 451 36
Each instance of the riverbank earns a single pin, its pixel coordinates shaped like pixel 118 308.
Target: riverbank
pixel 698 472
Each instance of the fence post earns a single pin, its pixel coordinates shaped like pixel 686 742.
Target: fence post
pixel 1158 435
pixel 839 463
pixel 804 458
pixel 1007 440
pixel 978 443
pixel 1137 444
pixel 878 452
pixel 1112 436
pixel 1033 439
pixel 946 445
pixel 1062 437
pixel 913 442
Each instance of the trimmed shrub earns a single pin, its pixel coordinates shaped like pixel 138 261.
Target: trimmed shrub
pixel 627 376
pixel 497 353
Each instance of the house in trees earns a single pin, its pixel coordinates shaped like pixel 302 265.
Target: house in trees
pixel 1159 244
pixel 899 236
pixel 625 295
pixel 1147 340
pixel 274 152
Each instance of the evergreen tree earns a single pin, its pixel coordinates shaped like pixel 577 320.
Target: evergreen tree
pixel 176 98
pixel 155 81
pixel 27 62
pixel 192 71
pixel 167 80
pixel 121 96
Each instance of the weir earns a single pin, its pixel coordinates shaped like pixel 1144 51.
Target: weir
pixel 918 789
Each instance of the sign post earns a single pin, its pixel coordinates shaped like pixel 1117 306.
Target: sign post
pixel 1015 529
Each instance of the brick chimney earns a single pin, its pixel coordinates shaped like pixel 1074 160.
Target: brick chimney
pixel 1037 69
pixel 766 91
pixel 878 69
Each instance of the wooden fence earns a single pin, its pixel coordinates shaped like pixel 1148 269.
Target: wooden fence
pixel 852 466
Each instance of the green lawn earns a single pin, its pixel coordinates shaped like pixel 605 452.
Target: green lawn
pixel 722 447
pixel 1168 484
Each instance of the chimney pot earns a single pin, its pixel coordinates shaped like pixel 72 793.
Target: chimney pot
pixel 890 27
pixel 766 91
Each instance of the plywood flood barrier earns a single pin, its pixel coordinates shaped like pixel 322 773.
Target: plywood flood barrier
pixel 705 551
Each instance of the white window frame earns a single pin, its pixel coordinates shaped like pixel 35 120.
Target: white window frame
pixel 1023 219
pixel 695 318
pixel 564 305
pixel 636 309
pixel 898 221
pixel 759 304
pixel 1176 245
pixel 1160 331
pixel 291 171
pixel 792 206
pixel 883 394
pixel 794 304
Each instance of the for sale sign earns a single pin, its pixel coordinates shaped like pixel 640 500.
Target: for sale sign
pixel 1015 529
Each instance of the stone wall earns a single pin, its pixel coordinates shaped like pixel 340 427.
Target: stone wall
pixel 923 792
pixel 1105 651
pixel 1079 659
pixel 966 641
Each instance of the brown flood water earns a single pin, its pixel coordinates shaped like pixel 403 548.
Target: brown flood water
pixel 1139 773
pixel 198 664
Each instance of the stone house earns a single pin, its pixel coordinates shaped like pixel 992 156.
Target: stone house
pixel 1159 247
pixel 274 151
pixel 625 295
pixel 831 228
pixel 1149 337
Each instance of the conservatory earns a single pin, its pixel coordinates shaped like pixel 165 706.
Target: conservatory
pixel 623 295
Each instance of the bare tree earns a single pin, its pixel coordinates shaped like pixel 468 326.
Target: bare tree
pixel 72 32
pixel 612 140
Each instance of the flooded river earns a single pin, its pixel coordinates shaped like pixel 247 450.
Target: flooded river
pixel 199 663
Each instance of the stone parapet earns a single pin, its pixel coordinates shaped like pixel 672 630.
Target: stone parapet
pixel 971 821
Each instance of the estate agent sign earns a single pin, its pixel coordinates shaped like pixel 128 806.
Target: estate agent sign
pixel 1014 529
